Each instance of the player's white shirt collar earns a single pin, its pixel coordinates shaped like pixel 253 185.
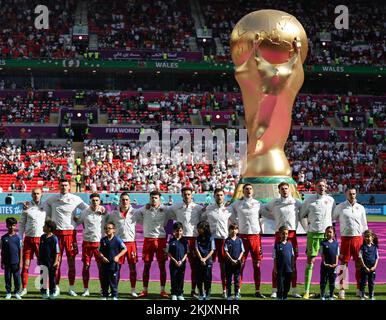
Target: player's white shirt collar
pixel 34 204
pixel 64 196
pixel 248 200
pixel 220 205
pixel 288 200
pixel 351 205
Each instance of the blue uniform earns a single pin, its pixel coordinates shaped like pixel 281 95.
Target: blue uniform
pixel 48 250
pixel 177 249
pixel 110 271
pixel 283 253
pixel 330 250
pixel 204 272
pixel 10 257
pixel 369 255
pixel 234 248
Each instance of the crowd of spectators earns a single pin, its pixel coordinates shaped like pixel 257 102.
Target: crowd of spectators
pixel 362 44
pixel 176 107
pixel 117 167
pixel 165 26
pixel 28 165
pixel 35 107
pixel 142 24
pixel 19 38
pixel 350 110
pixel 341 164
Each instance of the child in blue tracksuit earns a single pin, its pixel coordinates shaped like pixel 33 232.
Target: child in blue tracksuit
pixel 329 252
pixel 110 250
pixel 177 250
pixel 205 247
pixel 234 250
pixel 283 255
pixel 49 255
pixel 11 258
pixel 368 258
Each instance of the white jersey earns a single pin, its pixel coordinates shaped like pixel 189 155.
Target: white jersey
pixel 218 218
pixel 318 210
pixel 285 212
pixel 32 221
pixel 92 225
pixel 246 213
pixel 153 221
pixel 352 219
pixel 189 215
pixel 61 209
pixel 125 227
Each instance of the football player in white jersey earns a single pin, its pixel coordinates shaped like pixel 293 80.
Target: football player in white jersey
pixel 318 211
pixel 353 223
pixel 31 226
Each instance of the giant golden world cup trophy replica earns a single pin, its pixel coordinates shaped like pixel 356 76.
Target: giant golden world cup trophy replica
pixel 268 49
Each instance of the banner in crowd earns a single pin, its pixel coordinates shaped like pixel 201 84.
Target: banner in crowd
pixel 149 55
pixel 132 132
pixel 8 209
pixel 171 64
pixel 375 209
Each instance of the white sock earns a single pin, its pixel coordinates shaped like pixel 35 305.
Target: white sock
pixel 71 288
pixel 132 290
pixel 274 290
pixel 294 290
pixel 162 288
pixel 85 289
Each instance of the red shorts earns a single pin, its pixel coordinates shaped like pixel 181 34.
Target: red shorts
pixel 191 245
pixel 153 246
pixel 291 238
pixel 131 254
pixel 252 243
pixel 350 248
pixel 30 247
pixel 219 253
pixel 90 249
pixel 67 241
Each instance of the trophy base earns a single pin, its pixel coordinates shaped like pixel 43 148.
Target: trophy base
pixel 266 188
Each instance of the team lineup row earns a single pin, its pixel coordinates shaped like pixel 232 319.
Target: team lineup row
pixel 234 228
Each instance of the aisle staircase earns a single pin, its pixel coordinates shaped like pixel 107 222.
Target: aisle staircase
pixel 78 147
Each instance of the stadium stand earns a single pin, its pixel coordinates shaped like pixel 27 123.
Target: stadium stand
pixel 25 166
pixel 20 39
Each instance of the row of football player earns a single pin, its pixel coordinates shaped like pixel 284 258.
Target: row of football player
pixel 318 210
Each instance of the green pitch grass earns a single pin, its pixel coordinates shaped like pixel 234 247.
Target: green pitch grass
pixel 3 217
pixel 247 291
pixel 371 218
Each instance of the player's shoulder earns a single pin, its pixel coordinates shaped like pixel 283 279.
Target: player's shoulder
pixel 360 206
pixel 211 207
pixel 52 198
pixel 342 205
pixel 75 197
pixel 197 206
